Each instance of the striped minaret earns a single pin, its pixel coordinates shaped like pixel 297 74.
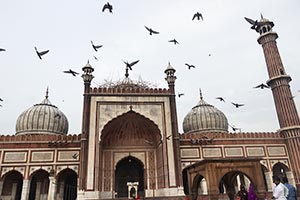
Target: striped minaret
pixel 279 83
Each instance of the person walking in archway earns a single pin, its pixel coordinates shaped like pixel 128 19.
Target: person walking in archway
pixel 278 189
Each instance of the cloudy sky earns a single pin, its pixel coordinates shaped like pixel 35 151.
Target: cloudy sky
pixel 66 28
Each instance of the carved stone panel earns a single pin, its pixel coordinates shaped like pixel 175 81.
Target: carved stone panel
pixel 212 152
pixel 11 157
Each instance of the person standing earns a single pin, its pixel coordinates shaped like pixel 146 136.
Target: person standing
pixel 292 190
pixel 243 194
pixel 278 189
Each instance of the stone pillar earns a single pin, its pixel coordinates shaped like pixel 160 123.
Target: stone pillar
pixel 1 186
pixel 52 188
pixel 38 190
pixel 25 189
pixel 269 180
pixel 14 190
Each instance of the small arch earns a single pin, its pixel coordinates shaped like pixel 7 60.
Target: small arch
pixel 280 169
pixel 67 184
pixel 199 185
pixel 39 184
pixel 12 185
pixel 232 182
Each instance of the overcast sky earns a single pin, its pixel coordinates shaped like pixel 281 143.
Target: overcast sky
pixel 66 28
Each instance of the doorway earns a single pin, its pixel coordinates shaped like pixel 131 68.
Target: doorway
pixel 128 170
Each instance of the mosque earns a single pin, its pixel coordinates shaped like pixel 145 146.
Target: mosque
pixel 130 146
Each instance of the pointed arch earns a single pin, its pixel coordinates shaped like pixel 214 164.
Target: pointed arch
pixel 129 170
pixel 66 186
pixel 12 185
pixel 130 129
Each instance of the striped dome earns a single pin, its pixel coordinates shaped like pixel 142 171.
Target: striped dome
pixel 205 118
pixel 42 118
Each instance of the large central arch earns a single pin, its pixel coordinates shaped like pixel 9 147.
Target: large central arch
pixel 129 170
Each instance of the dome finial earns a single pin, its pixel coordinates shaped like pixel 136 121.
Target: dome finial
pixel 47 92
pixel 201 97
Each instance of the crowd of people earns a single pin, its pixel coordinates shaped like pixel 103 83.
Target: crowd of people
pixel 282 190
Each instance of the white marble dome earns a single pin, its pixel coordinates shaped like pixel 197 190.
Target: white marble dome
pixel 42 118
pixel 205 118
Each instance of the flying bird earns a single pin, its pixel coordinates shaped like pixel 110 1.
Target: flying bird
pixel 151 31
pixel 129 65
pixel 198 16
pixel 190 66
pixel 95 58
pixel 252 22
pixel 1 99
pixel 96 47
pixel 71 72
pixel 237 104
pixel 180 94
pixel 1 49
pixel 235 128
pixel 107 6
pixel 168 137
pixel 75 156
pixel 221 99
pixel 40 53
pixel 174 41
pixel 261 86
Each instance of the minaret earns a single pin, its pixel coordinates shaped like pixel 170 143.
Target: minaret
pixel 279 83
pixel 87 78
pixel 170 72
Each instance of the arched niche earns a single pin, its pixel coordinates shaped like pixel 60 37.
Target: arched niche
pixel 130 129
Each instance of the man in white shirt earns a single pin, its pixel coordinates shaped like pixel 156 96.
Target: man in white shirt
pixel 278 190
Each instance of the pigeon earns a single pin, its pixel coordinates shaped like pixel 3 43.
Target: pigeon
pixel 252 22
pixel 198 16
pixel 261 86
pixel 180 94
pixel 71 72
pixel 237 105
pixel 174 40
pixel 151 31
pixel 1 49
pixel 96 47
pixel 75 156
pixel 221 99
pixel 40 53
pixel 107 6
pixel 190 66
pixel 129 65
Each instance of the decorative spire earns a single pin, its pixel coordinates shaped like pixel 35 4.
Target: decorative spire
pixel 200 92
pixel 47 92
pixel 170 72
pixel 87 75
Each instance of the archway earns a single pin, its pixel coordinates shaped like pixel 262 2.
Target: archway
pixel 39 185
pixel 12 185
pixel 67 184
pixel 129 170
pixel 232 181
pixel 280 169
pixel 199 185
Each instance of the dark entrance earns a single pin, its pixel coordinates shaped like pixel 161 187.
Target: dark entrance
pixel 129 169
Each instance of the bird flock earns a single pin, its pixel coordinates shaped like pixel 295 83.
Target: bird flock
pixel 107 7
